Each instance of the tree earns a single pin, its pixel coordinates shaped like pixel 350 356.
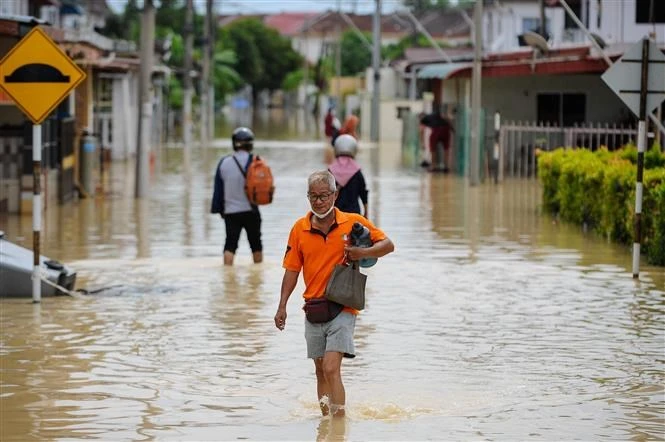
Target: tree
pixel 124 26
pixel 225 77
pixel 171 14
pixel 356 57
pixel 238 36
pixel 264 57
pixel 396 50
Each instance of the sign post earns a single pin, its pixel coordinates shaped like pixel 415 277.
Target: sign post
pixel 36 210
pixel 638 78
pixel 38 75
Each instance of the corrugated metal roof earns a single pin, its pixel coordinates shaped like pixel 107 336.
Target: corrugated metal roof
pixel 442 70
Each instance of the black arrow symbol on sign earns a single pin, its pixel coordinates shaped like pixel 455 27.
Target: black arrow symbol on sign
pixel 36 73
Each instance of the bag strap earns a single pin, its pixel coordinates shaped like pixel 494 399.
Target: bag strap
pixel 243 171
pixel 349 263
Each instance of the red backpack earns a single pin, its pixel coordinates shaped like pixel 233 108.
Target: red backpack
pixel 259 184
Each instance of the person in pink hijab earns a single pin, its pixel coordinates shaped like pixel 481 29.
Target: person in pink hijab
pixel 349 177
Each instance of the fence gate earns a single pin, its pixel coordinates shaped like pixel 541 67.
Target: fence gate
pixel 520 143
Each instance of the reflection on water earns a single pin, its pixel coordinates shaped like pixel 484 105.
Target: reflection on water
pixel 490 321
pixel 272 124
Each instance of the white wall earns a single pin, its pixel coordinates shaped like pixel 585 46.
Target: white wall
pixel 618 22
pixel 310 47
pixel 515 97
pixel 390 127
pixel 502 24
pixel 51 14
pixel 13 7
pixel 507 23
pixel 454 90
pixel 389 80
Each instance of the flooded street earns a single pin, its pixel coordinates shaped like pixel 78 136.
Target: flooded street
pixel 489 321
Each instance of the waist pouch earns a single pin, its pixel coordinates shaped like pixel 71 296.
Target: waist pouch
pixel 321 310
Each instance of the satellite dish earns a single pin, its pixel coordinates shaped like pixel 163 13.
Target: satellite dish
pixel 536 40
pixel 599 40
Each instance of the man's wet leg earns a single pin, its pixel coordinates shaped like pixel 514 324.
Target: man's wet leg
pixel 332 370
pixel 322 387
pixel 228 258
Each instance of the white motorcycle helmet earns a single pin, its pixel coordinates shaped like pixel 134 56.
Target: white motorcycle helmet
pixel 346 145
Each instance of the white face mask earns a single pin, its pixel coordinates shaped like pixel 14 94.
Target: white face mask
pixel 322 215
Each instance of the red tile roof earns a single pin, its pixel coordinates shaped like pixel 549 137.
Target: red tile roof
pixel 288 23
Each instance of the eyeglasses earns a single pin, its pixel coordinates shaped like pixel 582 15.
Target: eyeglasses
pixel 323 197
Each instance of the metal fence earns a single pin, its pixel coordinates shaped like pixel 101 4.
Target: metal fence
pixel 520 142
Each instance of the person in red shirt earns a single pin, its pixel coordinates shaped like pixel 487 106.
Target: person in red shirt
pixel 331 124
pixel 440 132
pixel 317 242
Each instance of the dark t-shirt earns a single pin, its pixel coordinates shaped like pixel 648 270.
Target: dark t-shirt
pixel 434 120
pixel 355 189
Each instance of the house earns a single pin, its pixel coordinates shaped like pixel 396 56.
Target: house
pixel 558 84
pixel 318 35
pixel 615 22
pixel 108 98
pixel 104 104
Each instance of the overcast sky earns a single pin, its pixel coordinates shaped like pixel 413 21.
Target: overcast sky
pixel 274 6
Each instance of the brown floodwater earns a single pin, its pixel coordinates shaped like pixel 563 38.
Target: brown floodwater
pixel 490 321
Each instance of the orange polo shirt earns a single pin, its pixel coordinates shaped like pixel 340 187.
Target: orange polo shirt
pixel 316 254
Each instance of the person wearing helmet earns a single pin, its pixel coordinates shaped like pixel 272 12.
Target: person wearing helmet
pixel 349 176
pixel 230 200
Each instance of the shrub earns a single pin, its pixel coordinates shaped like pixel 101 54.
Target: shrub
pixel 598 189
pixel 653 218
pixel 579 184
pixel 617 209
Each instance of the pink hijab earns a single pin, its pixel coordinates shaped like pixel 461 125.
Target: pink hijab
pixel 343 169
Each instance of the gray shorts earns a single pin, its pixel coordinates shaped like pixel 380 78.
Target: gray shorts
pixel 336 335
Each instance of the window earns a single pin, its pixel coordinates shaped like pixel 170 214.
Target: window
pixel 561 109
pixel 104 94
pixel 533 24
pixel 644 9
pixel 576 7
pixel 530 24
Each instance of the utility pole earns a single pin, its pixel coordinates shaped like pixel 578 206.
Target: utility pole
pixel 543 27
pixel 212 23
pixel 187 81
pixel 641 148
pixel 338 58
pixel 145 93
pixel 476 97
pixel 305 68
pixel 205 74
pixel 376 66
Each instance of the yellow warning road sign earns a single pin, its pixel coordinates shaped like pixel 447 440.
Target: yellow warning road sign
pixel 38 75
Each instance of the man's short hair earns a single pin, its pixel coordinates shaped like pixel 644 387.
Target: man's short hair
pixel 324 177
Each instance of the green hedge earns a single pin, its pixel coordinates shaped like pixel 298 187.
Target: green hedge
pixel 598 189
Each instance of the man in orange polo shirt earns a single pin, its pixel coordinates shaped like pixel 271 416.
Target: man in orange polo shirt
pixel 317 242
